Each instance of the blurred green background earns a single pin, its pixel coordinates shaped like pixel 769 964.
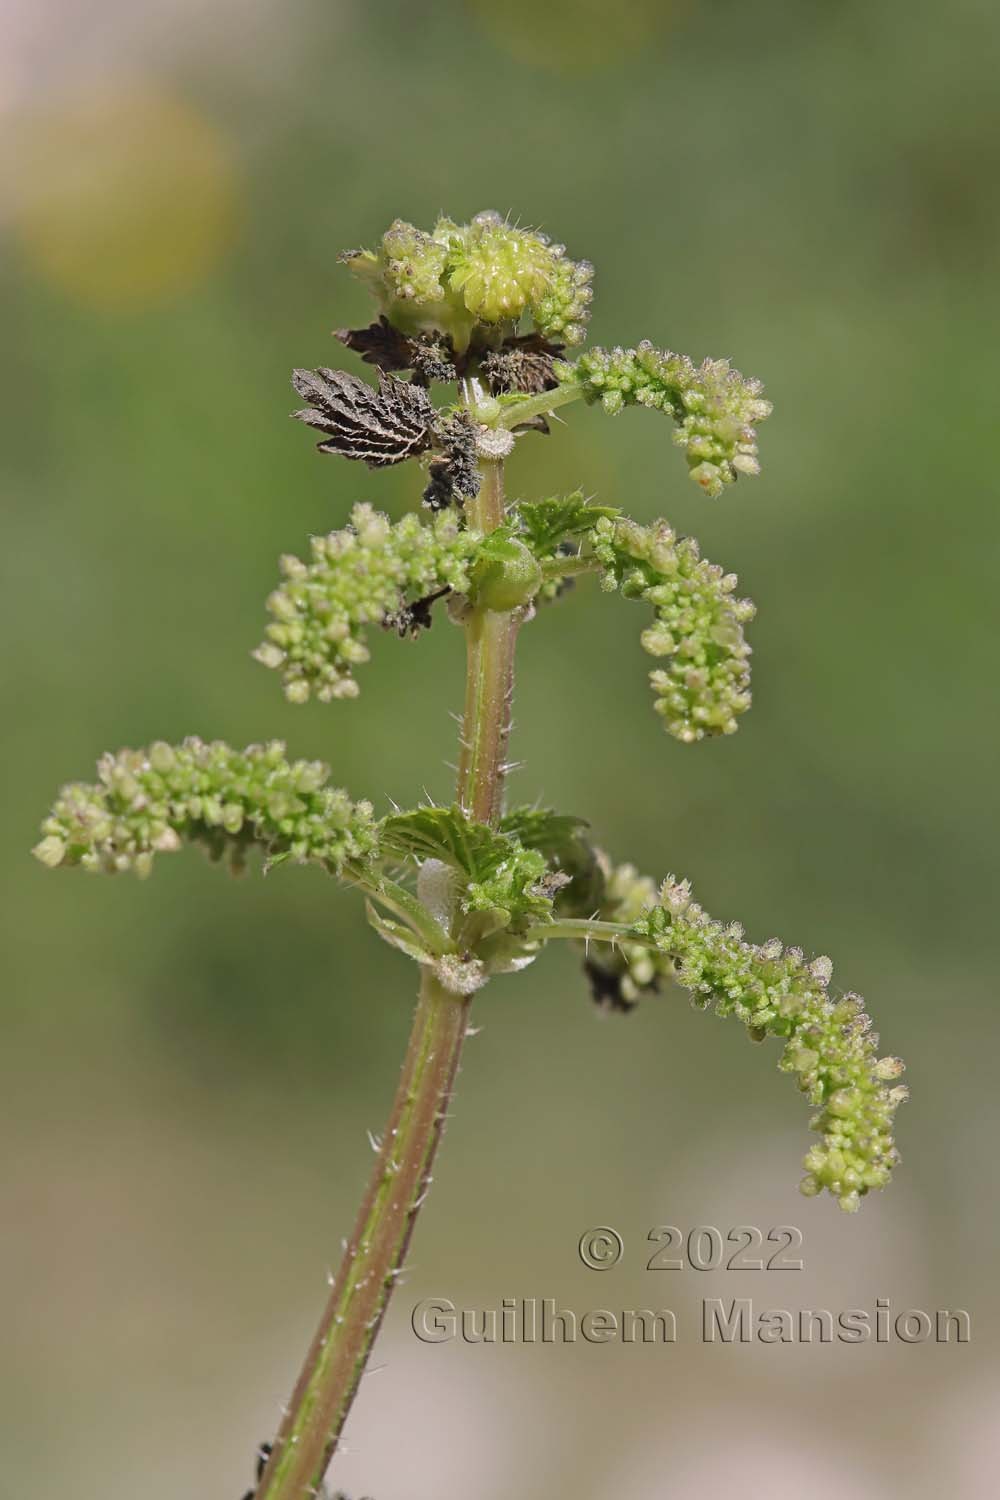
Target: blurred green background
pixel 190 1064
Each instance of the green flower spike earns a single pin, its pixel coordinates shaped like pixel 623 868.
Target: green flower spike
pixel 715 408
pixel 705 685
pixel 829 1045
pixel 636 938
pixel 371 573
pixel 149 802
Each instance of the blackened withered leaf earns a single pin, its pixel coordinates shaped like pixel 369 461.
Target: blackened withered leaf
pixel 379 344
pixel 439 492
pixel 378 427
pixel 455 477
pixel 524 364
pixel 430 356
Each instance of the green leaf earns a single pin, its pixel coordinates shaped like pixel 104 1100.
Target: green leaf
pixel 546 524
pixel 397 935
pixel 561 840
pixel 500 875
pixel 444 833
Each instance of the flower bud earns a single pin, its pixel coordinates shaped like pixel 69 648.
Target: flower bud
pixel 506 575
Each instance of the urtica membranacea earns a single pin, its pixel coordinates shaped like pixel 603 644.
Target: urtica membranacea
pixel 477 339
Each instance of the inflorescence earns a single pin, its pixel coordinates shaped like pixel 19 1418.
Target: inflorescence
pixel 370 573
pixel 716 410
pixel 149 802
pixel 829 1044
pixel 662 936
pixel 705 685
pixel 473 282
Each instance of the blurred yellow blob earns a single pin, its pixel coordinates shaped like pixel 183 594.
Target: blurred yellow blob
pixel 123 198
pixel 571 35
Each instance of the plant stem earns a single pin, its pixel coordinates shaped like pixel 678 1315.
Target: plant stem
pixel 527 407
pixel 337 1356
pixel 375 1253
pixel 581 929
pixel 568 567
pixel 489 678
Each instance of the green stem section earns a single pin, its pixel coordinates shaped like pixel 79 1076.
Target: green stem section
pixel 375 1253
pixel 490 641
pixel 581 929
pixel 491 636
pixel 527 407
pixel 568 567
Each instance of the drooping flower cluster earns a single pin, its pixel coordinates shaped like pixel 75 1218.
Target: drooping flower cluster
pixel 149 802
pixel 829 1046
pixel 371 573
pixel 705 685
pixel 467 281
pixel 715 408
pixel 563 309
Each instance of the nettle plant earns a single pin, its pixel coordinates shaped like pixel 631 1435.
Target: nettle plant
pixel 479 888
